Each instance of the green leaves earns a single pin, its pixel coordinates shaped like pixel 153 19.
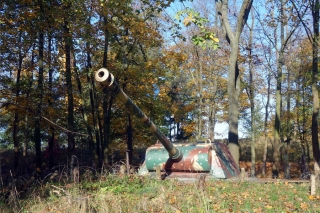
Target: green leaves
pixel 205 38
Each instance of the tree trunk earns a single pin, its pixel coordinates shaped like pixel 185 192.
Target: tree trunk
pixel 96 119
pixel 277 123
pixel 129 139
pixel 84 104
pixel 94 144
pixel 200 98
pixel 276 143
pixel 51 128
pixel 16 142
pixel 93 112
pixel 288 133
pixel 315 95
pixel 27 124
pixel 67 45
pixel 252 103
pixel 213 109
pixel 233 111
pixel 37 129
pixel 107 104
pixel 107 101
pixel 233 78
pixel 300 124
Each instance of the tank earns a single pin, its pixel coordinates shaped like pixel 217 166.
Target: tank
pixel 213 159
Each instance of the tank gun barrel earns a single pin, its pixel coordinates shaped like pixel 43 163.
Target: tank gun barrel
pixel 107 80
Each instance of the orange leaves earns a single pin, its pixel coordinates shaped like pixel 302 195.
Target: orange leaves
pixel 172 200
pixel 304 206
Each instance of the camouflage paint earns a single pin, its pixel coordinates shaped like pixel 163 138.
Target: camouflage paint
pixel 223 164
pixel 214 159
pixel 196 158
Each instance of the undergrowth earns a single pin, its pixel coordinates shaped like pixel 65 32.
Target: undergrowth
pixel 116 193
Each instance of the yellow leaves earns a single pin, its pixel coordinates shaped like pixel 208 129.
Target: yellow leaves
pixel 148 64
pixel 311 197
pixel 214 38
pixel 268 207
pixel 188 20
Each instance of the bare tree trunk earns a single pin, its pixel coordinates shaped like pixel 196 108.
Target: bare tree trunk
pixel 315 73
pixel 68 44
pixel 96 120
pixel 265 149
pixel 129 138
pixel 252 103
pixel 276 143
pixel 93 112
pixel 51 129
pixel 300 124
pixel 16 142
pixel 84 104
pixel 314 39
pixel 277 123
pixel 288 133
pixel 212 110
pixel 233 78
pixel 200 98
pixel 107 101
pixel 37 130
pixel 27 126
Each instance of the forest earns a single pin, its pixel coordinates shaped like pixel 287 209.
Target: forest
pixel 188 65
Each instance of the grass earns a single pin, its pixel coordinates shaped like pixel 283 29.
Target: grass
pixel 144 194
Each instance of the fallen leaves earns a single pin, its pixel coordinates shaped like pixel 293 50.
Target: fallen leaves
pixel 304 206
pixel 217 196
pixel 268 207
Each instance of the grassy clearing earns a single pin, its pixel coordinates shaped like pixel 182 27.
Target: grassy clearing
pixel 143 194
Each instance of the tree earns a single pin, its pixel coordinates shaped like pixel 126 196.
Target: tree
pixel 251 95
pixel 313 36
pixel 233 73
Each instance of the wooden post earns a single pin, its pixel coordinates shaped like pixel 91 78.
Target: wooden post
pixel 243 174
pixel 316 169
pixel 127 161
pixel 313 184
pixel 122 170
pixel 158 171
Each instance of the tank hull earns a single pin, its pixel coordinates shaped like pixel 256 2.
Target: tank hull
pixel 213 159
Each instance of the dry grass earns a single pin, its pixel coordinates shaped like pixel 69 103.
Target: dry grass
pixel 116 193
